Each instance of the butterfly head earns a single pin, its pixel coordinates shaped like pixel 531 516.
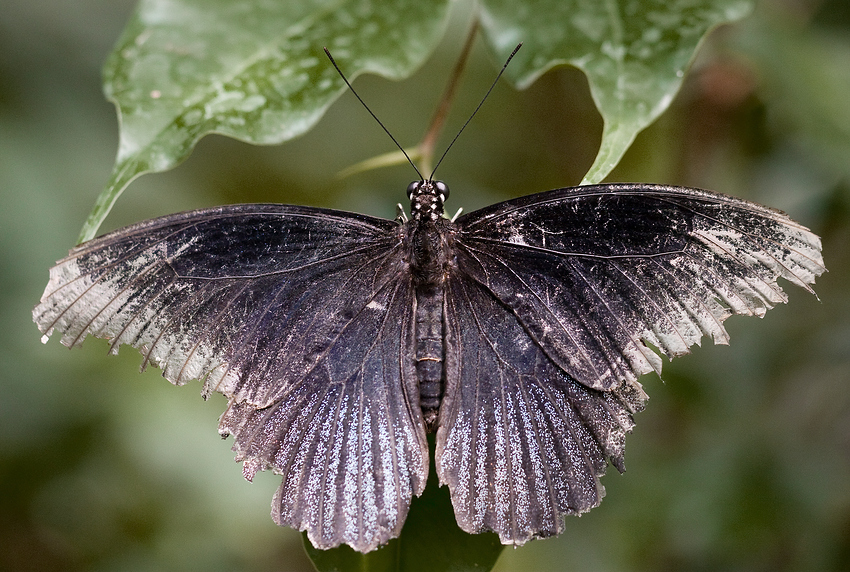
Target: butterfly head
pixel 427 199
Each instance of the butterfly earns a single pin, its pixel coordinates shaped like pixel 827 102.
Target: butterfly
pixel 516 332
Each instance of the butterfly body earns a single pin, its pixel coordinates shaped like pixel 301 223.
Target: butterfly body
pixel 517 332
pixel 429 236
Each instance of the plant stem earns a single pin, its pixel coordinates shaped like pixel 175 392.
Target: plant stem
pixel 438 120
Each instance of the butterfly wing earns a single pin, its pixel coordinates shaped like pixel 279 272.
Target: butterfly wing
pixel 300 316
pixel 520 443
pixel 350 447
pixel 552 304
pixel 596 274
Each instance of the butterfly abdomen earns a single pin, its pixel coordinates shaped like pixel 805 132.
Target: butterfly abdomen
pixel 429 353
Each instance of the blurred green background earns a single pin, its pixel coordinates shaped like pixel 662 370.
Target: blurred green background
pixel 741 460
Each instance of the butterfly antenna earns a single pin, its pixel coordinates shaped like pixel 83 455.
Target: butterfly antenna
pixel 387 131
pixel 486 95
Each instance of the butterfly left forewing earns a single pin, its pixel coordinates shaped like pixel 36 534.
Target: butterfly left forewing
pixel 245 296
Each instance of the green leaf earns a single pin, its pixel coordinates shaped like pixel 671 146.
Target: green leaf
pixel 430 541
pixel 634 53
pixel 255 71
pixel 251 70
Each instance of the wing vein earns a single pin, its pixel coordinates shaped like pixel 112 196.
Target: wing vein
pixel 549 311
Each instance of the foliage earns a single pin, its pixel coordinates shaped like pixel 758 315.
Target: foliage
pixel 255 70
pixel 740 460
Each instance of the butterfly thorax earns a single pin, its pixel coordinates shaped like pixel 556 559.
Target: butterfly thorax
pixel 428 248
pixel 428 264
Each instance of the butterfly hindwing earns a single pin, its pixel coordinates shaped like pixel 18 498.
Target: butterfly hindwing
pixel 520 443
pixel 596 274
pixel 350 443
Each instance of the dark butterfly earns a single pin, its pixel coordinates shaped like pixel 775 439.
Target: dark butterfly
pixel 517 333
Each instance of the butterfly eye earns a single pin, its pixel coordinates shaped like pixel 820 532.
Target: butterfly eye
pixel 443 188
pixel 411 188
